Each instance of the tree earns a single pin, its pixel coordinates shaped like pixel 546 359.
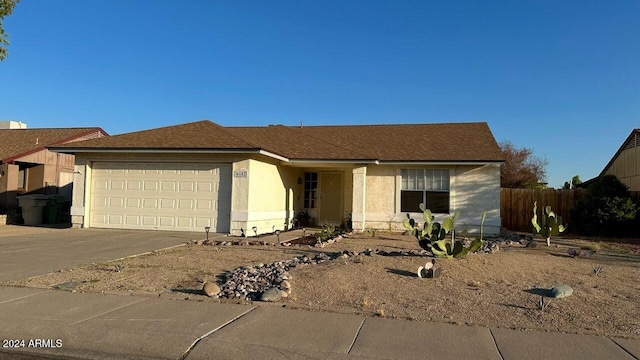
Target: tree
pixel 6 9
pixel 572 184
pixel 521 169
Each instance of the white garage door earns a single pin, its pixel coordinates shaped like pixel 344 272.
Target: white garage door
pixel 162 196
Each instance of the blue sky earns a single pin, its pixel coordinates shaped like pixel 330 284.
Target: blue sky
pixel 560 77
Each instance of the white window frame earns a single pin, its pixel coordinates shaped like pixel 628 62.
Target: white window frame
pixel 425 180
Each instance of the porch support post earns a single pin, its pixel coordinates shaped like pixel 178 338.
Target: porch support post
pixel 80 193
pixel 359 198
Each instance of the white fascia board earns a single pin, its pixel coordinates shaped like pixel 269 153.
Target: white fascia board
pixel 455 163
pixel 154 151
pixel 272 155
pixel 327 163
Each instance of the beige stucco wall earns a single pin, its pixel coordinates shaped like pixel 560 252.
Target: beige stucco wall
pixel 473 189
pixel 477 189
pixel 271 196
pixel 626 167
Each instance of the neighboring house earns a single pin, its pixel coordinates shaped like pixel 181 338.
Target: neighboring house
pixel 625 164
pixel 194 175
pixel 26 166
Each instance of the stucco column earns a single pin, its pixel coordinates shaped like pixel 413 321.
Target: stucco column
pixel 240 197
pixel 78 207
pixel 359 198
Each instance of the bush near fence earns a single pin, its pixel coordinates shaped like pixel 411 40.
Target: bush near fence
pixel 516 205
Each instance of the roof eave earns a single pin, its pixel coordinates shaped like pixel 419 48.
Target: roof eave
pixel 441 162
pixel 333 161
pixel 620 149
pixel 71 150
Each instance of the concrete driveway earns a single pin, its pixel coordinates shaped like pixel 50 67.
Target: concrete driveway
pixel 24 256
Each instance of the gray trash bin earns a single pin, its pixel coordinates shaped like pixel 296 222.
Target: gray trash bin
pixel 32 208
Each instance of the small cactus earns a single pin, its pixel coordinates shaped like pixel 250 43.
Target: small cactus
pixel 551 226
pixel 432 236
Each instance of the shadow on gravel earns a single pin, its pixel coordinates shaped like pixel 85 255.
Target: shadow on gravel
pixel 401 272
pixel 538 291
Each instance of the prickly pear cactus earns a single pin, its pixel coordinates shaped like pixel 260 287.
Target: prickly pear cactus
pixel 433 235
pixel 550 226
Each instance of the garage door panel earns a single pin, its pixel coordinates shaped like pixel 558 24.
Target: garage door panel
pixel 202 222
pixel 150 203
pixel 167 221
pixel 99 219
pixel 151 186
pixel 187 186
pixel 164 196
pixel 167 204
pixel 132 220
pixel 114 219
pixel 168 186
pixel 134 185
pixel 204 205
pixel 184 204
pixel 115 202
pixel 133 203
pixel 101 185
pixel 100 201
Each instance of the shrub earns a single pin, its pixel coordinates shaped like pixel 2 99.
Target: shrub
pixel 605 210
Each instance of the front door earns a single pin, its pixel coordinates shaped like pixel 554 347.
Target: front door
pixel 330 204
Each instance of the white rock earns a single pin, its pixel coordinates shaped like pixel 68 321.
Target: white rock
pixel 211 289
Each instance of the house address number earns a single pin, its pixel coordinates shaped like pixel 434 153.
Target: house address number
pixel 240 173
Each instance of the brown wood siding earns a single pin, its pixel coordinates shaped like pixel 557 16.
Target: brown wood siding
pixel 49 158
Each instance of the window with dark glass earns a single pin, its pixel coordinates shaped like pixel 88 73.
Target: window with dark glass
pixel 310 189
pixel 428 186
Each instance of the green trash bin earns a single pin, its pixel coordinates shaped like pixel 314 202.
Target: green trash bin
pixel 53 209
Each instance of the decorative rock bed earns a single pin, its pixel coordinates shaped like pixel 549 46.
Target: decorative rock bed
pixel 271 282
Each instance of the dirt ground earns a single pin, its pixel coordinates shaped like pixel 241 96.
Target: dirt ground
pixel 498 290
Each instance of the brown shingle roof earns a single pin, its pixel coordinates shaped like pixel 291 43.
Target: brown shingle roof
pixel 415 142
pixel 293 144
pixel 196 135
pixel 15 143
pixel 453 142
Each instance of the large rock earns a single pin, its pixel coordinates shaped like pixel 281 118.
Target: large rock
pixel 562 291
pixel 285 284
pixel 271 295
pixel 211 289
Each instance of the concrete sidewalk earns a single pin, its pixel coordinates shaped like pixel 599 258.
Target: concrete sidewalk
pixel 93 326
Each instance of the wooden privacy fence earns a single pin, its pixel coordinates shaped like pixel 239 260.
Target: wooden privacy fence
pixel 516 205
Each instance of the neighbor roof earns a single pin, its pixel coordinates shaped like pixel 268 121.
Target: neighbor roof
pixel 450 142
pixel 16 143
pixel 631 141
